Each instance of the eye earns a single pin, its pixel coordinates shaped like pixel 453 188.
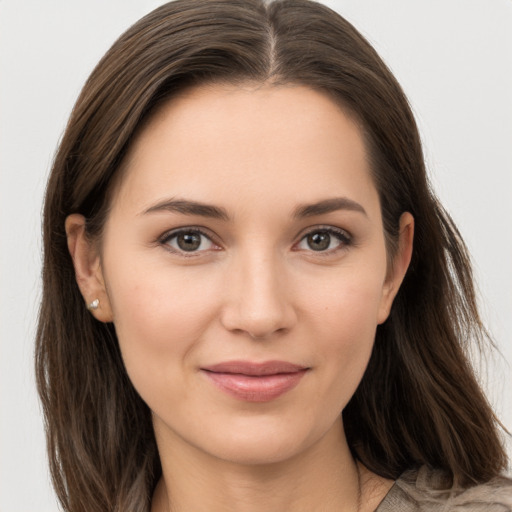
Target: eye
pixel 188 241
pixel 324 240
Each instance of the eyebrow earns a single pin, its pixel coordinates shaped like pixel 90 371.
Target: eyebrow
pixel 328 206
pixel 187 207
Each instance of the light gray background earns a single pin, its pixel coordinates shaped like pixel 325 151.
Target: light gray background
pixel 454 60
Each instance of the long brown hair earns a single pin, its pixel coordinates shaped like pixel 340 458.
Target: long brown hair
pixel 418 402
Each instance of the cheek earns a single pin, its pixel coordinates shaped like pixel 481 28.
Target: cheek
pixel 159 317
pixel 347 302
pixel 344 319
pixel 157 303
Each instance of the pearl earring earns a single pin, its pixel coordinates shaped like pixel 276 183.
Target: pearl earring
pixel 93 305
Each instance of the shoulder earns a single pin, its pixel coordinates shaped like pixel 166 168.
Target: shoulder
pixel 427 490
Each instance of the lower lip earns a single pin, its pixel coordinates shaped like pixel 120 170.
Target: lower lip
pixel 250 388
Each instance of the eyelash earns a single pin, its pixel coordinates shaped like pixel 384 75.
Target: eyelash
pixel 341 235
pixel 167 237
pixel 344 238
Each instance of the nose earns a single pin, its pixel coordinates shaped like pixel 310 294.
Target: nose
pixel 258 301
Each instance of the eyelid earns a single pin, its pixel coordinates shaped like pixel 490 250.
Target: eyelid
pixel 168 235
pixel 346 238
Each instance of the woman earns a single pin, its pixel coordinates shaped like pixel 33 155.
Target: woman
pixel 252 299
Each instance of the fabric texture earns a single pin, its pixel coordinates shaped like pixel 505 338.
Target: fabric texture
pixel 427 490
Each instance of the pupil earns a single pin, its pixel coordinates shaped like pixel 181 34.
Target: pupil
pixel 189 241
pixel 319 241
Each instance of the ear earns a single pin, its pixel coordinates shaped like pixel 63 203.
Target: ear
pixel 87 263
pixel 399 266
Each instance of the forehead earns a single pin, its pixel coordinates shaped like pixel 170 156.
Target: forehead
pixel 274 142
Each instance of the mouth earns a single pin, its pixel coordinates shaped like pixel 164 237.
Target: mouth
pixel 255 382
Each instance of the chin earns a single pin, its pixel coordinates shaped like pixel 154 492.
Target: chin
pixel 262 443
pixel 264 451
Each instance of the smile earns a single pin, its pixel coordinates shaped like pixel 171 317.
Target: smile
pixel 255 382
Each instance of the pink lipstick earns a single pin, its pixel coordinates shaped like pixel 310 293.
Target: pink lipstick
pixel 255 382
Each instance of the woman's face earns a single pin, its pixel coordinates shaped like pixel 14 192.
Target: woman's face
pixel 244 266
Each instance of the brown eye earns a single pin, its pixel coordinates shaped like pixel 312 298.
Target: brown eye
pixel 325 240
pixel 319 241
pixel 188 241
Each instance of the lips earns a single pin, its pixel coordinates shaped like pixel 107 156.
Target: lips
pixel 255 382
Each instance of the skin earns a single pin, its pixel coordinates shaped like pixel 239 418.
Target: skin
pixel 256 289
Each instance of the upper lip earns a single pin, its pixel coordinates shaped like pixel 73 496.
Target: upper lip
pixel 255 369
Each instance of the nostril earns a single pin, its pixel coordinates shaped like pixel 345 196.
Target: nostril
pixel 259 327
pixel 257 336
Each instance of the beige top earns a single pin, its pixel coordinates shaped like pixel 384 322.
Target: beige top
pixel 426 490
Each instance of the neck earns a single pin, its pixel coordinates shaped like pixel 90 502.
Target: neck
pixel 323 476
